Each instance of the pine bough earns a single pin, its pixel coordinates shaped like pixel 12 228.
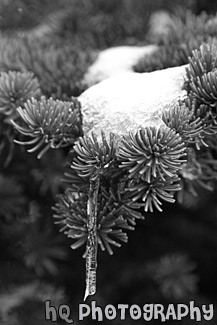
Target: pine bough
pixel 113 179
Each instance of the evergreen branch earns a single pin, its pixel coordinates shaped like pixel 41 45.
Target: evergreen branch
pixel 183 121
pixel 204 89
pixel 174 275
pixel 151 194
pixel 184 35
pixel 91 154
pixel 50 122
pixel 112 217
pixel 201 61
pixel 152 153
pixel 15 89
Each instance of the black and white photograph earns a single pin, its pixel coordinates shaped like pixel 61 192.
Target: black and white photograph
pixel 108 162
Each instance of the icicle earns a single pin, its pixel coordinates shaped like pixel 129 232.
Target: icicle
pixel 91 250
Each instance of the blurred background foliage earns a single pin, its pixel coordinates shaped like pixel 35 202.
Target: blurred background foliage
pixel 171 257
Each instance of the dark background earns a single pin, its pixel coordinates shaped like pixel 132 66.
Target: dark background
pixel 171 257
